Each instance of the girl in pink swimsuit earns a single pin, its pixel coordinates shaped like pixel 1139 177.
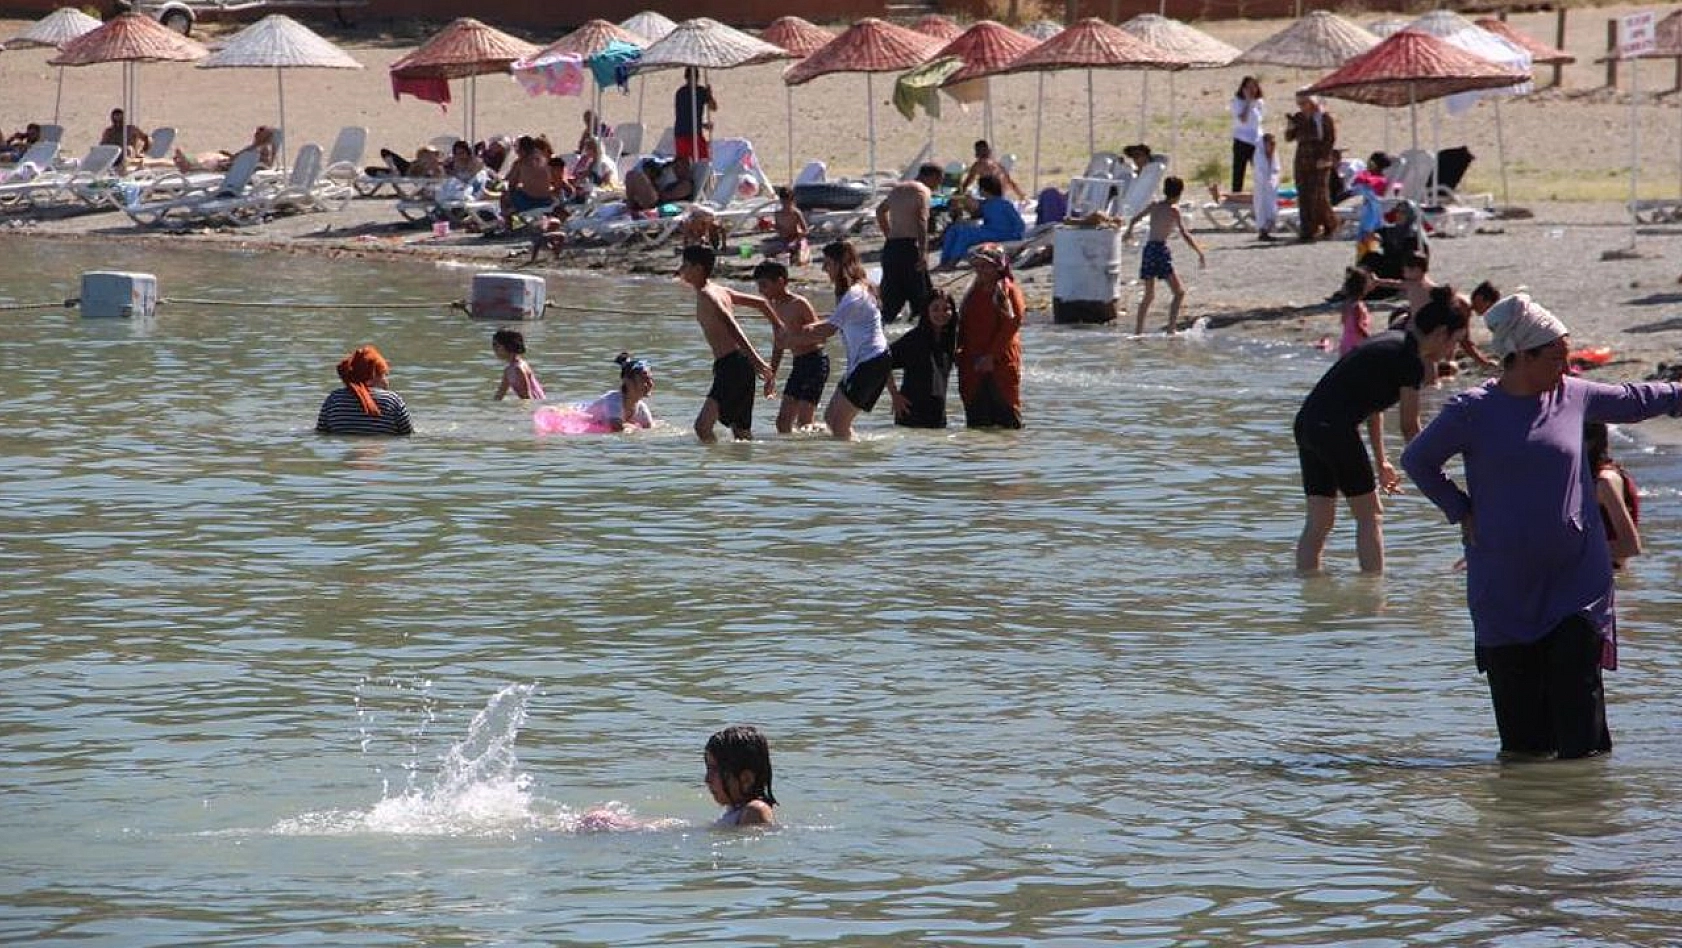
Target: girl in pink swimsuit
pixel 509 345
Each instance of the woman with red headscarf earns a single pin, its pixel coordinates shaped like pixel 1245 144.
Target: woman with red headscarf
pixel 364 406
pixel 990 342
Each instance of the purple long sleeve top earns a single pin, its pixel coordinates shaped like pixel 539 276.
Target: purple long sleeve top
pixel 1538 553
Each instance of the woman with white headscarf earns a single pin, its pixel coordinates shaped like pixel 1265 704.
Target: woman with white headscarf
pixel 1538 572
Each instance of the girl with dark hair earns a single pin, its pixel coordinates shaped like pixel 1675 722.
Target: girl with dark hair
pixel 627 405
pixel 1620 502
pixel 509 345
pixel 739 776
pixel 926 354
pixel 858 319
pixel 1388 367
pixel 1247 113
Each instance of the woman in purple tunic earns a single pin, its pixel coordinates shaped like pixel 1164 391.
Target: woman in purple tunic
pixel 1538 574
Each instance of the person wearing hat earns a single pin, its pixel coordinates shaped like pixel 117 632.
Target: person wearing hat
pixel 1538 569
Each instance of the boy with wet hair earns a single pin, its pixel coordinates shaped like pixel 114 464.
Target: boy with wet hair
pixel 1156 263
pixel 735 361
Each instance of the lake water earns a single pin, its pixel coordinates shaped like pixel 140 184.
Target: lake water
pixel 1055 687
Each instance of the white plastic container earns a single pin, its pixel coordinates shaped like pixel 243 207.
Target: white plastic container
pixel 109 294
pixel 1086 274
pixel 507 297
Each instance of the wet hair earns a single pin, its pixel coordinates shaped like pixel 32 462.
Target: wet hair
pixel 1355 282
pixel 1140 152
pixel 783 192
pixel 1418 261
pixel 982 147
pixel 1172 188
pixel 631 367
pixel 990 185
pixel 1596 444
pixel 770 270
pixel 744 747
pixel 702 256
pixel 931 170
pixel 1485 291
pixel 510 339
pixel 1439 312
pixel 850 270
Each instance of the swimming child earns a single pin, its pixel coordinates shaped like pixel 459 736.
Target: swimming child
pixel 810 373
pixel 627 405
pixel 739 776
pixel 1620 502
pixel 1156 262
pixel 735 360
pixel 509 345
pixel 791 231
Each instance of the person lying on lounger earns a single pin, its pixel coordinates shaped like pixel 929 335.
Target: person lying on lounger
pixel 262 142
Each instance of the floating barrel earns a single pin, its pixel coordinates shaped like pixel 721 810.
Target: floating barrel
pixel 108 294
pixel 507 297
pixel 1086 274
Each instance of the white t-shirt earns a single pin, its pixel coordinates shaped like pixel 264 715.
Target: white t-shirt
pixel 860 321
pixel 610 408
pixel 1247 129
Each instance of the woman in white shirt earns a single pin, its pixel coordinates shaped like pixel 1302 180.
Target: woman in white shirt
pixel 1247 112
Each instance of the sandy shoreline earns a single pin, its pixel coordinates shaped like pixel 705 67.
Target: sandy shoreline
pixel 1270 291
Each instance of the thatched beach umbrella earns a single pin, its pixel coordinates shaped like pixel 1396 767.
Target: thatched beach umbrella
pixel 52 32
pixel 942 28
pixel 1042 30
pixel 1541 53
pixel 280 43
pixel 985 46
pixel 1089 44
pixel 651 25
pixel 1319 40
pixel 1195 48
pixel 589 39
pixel 1456 29
pixel 1411 67
pixel 466 49
pixel 705 43
pixel 1387 27
pixel 869 46
pixel 800 39
pixel 131 39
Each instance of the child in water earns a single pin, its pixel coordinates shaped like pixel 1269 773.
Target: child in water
pixel 739 776
pixel 1357 319
pixel 509 345
pixel 626 406
pixel 1156 262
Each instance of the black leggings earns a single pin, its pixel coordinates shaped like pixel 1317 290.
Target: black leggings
pixel 1242 154
pixel 1548 694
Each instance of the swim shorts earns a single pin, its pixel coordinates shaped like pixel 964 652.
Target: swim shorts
pixel 864 384
pixel 1334 460
pixel 733 390
pixel 1156 263
pixel 808 377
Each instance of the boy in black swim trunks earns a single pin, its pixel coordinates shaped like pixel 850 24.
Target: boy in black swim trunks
pixel 735 361
pixel 806 380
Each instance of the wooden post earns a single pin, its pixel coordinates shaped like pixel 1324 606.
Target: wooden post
pixel 1015 14
pixel 1071 11
pixel 1559 43
pixel 1115 11
pixel 1611 54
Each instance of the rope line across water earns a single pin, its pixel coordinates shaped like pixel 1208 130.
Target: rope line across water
pixel 270 304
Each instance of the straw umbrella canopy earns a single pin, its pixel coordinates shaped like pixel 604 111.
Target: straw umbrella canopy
pixel 466 49
pixel 1089 44
pixel 705 43
pixel 1197 49
pixel 590 39
pixel 1412 67
pixel 801 39
pixel 650 25
pixel 1386 28
pixel 869 46
pixel 53 31
pixel 280 43
pixel 1043 30
pixel 985 45
pixel 940 27
pixel 131 39
pixel 1456 29
pixel 1540 53
pixel 1319 40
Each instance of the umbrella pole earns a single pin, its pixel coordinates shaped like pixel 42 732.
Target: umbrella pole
pixel 1039 110
pixel 870 110
pixel 987 112
pixel 790 90
pixel 1413 116
pixel 1436 145
pixel 1144 100
pixel 1173 119
pixel 1091 132
pixel 59 98
pixel 280 85
pixel 1634 144
pixel 1501 154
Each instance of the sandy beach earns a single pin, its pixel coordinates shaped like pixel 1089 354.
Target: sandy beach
pixel 1568 162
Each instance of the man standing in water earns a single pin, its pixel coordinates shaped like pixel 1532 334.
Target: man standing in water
pixel 903 217
pixel 735 361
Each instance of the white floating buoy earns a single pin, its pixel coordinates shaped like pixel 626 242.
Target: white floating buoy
pixel 1086 274
pixel 109 294
pixel 509 297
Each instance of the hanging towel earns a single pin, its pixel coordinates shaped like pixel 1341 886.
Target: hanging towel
pixel 426 90
pixel 555 74
pixel 605 66
pixel 920 88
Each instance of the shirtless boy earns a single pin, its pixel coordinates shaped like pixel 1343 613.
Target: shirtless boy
pixel 985 164
pixel 1156 262
pixel 735 361
pixel 810 373
pixel 903 218
pixel 790 229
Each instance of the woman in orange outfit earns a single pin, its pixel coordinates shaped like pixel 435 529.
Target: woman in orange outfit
pixel 990 342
